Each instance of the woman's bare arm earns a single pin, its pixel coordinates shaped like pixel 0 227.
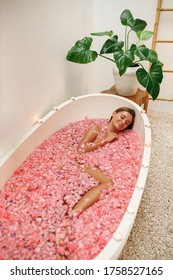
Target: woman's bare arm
pixel 95 138
pixel 89 136
pixel 98 142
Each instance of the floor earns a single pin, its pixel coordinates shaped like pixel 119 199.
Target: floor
pixel 151 236
pixel 163 106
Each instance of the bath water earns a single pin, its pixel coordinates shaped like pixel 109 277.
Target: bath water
pixel 35 200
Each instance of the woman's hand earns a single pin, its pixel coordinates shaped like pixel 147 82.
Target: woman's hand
pixel 95 138
pixel 109 137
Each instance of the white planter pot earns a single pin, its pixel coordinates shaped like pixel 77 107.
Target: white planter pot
pixel 127 84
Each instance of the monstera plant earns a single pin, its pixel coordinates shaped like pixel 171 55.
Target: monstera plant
pixel 124 54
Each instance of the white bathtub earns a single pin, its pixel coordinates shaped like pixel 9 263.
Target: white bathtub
pixel 92 106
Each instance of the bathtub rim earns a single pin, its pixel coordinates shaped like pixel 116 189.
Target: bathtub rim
pixel 114 247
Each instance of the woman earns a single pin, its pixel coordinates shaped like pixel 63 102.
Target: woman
pixel 96 137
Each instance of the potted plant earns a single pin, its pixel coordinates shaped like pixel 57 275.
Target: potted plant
pixel 124 54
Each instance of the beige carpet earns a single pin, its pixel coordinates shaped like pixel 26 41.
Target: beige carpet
pixel 152 234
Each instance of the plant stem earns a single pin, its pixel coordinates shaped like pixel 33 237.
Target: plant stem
pixel 128 39
pixel 106 57
pixel 125 39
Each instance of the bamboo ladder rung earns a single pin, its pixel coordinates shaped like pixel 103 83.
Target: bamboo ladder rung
pixel 163 99
pixel 166 10
pixel 164 41
pixel 168 71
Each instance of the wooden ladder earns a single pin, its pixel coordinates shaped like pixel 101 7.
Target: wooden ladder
pixel 155 35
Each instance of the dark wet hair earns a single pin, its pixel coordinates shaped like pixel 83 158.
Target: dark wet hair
pixel 130 111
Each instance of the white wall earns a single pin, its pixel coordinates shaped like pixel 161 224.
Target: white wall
pixel 35 36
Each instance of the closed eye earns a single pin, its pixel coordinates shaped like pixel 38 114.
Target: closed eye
pixel 127 121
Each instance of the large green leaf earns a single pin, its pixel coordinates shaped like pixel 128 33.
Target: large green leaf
pixel 153 57
pixel 107 33
pixel 142 52
pixel 81 53
pixel 138 25
pixel 153 89
pixel 146 54
pixel 144 35
pixel 123 59
pixel 127 19
pixel 111 45
pixel 156 72
pixel 143 77
pixel 151 80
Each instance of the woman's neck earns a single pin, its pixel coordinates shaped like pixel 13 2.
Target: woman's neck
pixel 111 127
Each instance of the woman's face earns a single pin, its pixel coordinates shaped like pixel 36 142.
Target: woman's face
pixel 121 120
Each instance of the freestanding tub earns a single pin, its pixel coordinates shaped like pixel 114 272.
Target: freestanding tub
pixel 75 109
